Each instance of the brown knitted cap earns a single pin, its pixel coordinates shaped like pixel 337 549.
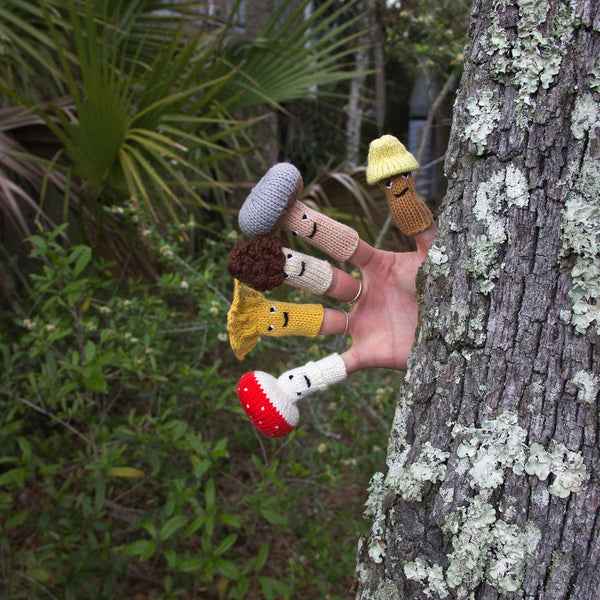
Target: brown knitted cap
pixel 259 263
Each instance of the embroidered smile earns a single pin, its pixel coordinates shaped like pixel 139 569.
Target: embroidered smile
pixel 314 230
pixel 400 194
pixel 286 318
pixel 302 269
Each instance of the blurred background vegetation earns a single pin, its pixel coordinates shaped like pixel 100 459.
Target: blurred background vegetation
pixel 130 133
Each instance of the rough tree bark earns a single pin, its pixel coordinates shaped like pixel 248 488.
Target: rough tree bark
pixel 492 487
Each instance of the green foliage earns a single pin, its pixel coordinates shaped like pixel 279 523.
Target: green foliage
pixel 127 464
pixel 136 105
pixel 432 32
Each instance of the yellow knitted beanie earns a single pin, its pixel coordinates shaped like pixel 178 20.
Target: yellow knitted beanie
pixel 388 157
pixel 252 315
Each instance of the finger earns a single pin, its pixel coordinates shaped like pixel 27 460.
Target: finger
pixel 424 240
pixel 344 287
pixel 335 322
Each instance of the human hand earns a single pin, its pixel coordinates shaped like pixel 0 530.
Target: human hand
pixel 384 313
pixel 383 320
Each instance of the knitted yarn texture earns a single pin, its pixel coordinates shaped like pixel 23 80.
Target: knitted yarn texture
pixel 252 315
pixel 269 411
pixel 264 263
pixel 274 202
pixel 259 262
pixel 271 403
pixel 335 239
pixel 280 186
pixel 387 157
pixel 410 213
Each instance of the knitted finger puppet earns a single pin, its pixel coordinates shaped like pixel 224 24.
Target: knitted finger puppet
pixel 265 263
pixel 271 402
pixel 274 203
pixel 390 164
pixel 252 315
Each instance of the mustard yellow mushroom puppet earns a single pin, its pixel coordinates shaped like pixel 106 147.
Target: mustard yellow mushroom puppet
pixel 390 165
pixel 383 318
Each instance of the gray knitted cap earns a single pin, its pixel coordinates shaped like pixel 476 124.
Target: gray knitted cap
pixel 269 198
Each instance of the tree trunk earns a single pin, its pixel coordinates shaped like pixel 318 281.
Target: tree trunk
pixel 492 489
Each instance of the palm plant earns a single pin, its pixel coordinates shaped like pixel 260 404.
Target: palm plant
pixel 106 103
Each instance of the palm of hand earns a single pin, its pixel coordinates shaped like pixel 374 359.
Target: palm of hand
pixel 383 320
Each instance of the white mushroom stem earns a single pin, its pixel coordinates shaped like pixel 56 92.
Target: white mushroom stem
pixel 312 377
pixel 307 272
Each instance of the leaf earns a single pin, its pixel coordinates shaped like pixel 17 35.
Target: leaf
pixel 194 526
pixel 189 565
pixel 95 381
pixel 83 255
pixel 228 569
pixel 226 544
pixel 273 517
pixel 144 549
pixel 261 558
pixel 100 494
pixel 210 494
pixel 272 587
pixel 89 351
pixel 13 476
pixel 171 526
pixel 126 473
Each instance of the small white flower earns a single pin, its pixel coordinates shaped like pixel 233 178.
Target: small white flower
pixel 28 324
pixel 50 327
pixel 222 337
pixel 184 285
pixel 166 251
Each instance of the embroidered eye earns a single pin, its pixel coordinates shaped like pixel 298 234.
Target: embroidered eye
pixel 290 255
pixel 406 175
pixel 270 328
pixel 305 217
pixel 287 275
pixel 272 310
pixel 388 184
pixel 294 233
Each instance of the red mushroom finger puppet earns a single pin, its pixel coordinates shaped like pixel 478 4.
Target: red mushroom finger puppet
pixel 270 402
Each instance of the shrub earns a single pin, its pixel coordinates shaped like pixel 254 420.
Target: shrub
pixel 127 464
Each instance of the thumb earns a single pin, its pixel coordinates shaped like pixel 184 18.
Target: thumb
pixel 424 239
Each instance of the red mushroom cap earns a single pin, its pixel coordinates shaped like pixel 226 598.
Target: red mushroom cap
pixel 269 410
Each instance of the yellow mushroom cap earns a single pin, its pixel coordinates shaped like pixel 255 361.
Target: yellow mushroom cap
pixel 388 157
pixel 251 315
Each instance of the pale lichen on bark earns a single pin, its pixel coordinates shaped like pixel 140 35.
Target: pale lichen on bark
pixel 581 216
pixel 492 481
